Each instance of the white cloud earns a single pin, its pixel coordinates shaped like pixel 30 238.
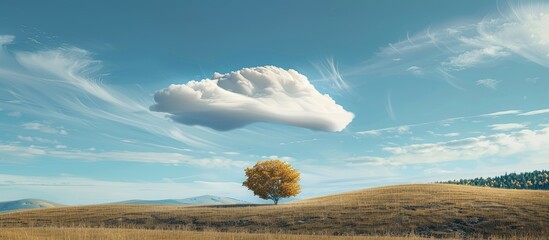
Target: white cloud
pixel 14 114
pixel 36 139
pixel 150 157
pixel 522 31
pixel 260 94
pixel 507 126
pixel 299 141
pixel 436 171
pixel 64 84
pixel 475 57
pixel 367 160
pixel 126 156
pixel 507 112
pixel 231 153
pixel 6 39
pixel 415 70
pixel 281 158
pixel 389 107
pixel 330 72
pixel 488 82
pixel 496 145
pixel 44 128
pixel 452 134
pixel 519 31
pixel 403 130
pixel 69 64
pixel 20 151
pixel 376 132
pixel 536 112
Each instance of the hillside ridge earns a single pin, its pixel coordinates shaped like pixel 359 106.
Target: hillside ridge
pixel 438 210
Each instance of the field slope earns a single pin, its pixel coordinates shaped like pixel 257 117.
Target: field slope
pixel 53 233
pixel 439 210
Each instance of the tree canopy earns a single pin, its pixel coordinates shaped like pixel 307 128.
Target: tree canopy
pixel 527 180
pixel 273 179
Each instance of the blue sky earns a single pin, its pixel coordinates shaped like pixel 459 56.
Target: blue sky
pixel 103 101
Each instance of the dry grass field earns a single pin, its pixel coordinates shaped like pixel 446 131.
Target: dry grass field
pixel 430 210
pixel 119 234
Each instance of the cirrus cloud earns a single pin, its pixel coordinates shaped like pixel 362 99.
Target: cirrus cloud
pixel 517 31
pixel 507 126
pixel 488 82
pixel 260 94
pixel 471 148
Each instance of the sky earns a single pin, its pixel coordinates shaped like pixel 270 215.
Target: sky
pixel 104 101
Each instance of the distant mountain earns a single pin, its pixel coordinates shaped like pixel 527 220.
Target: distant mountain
pixel 201 200
pixel 26 204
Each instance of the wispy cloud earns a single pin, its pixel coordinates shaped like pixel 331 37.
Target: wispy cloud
pixel 452 134
pixel 535 112
pixel 127 156
pixel 37 139
pixel 6 39
pixel 488 82
pixel 15 114
pixel 299 141
pixel 389 107
pixel 496 145
pixel 500 113
pixel 282 158
pixel 475 57
pixel 69 65
pixel 415 70
pixel 231 153
pixel 507 126
pixel 42 127
pixel 444 52
pixel 329 72
pixel 61 84
pixel 446 122
pixel 405 129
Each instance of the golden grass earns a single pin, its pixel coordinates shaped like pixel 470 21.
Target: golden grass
pixel 119 234
pixel 438 210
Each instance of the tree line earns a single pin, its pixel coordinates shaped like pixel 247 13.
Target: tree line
pixel 538 180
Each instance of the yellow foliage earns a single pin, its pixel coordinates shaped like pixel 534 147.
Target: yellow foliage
pixel 273 179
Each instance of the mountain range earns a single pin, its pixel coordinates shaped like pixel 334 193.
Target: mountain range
pixel 200 200
pixel 24 204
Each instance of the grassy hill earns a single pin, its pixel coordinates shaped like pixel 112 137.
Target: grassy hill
pixel 439 210
pixel 56 233
pixel 25 204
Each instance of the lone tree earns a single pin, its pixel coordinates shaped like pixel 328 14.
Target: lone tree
pixel 273 179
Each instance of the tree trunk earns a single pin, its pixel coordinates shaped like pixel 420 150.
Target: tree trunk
pixel 275 201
